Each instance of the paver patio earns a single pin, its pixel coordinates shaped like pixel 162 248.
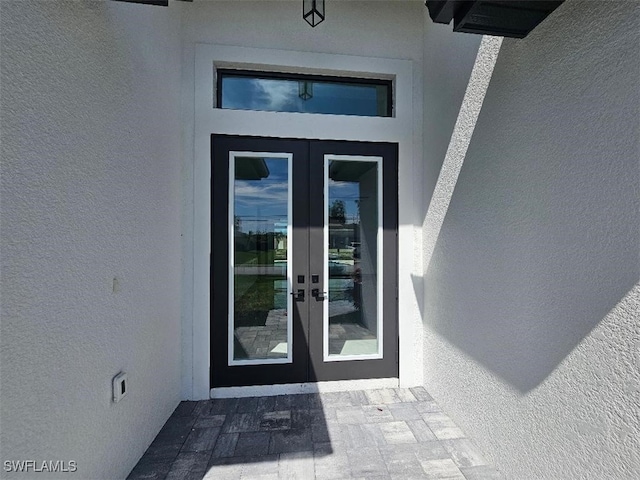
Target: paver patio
pixel 372 434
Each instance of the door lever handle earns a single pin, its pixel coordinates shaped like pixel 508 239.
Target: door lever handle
pixel 299 295
pixel 318 295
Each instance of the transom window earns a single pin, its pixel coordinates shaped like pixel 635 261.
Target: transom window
pixel 284 92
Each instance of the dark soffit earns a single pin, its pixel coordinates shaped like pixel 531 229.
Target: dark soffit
pixel 505 18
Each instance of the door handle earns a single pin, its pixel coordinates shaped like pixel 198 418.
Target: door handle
pixel 318 295
pixel 299 295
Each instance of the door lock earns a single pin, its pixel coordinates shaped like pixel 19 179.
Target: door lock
pixel 299 295
pixel 318 294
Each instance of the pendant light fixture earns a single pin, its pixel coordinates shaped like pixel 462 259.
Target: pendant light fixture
pixel 313 11
pixel 305 89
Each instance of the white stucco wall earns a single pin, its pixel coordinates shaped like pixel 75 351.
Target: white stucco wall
pixel 90 239
pixel 386 30
pixel 532 301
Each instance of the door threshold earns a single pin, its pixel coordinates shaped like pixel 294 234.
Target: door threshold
pixel 300 388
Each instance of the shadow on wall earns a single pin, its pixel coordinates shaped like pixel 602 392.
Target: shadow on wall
pixel 541 238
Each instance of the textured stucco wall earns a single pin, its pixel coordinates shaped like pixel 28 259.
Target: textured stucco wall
pixel 532 303
pixel 90 239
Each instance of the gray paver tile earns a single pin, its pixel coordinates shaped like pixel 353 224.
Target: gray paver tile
pixel 265 404
pixel 441 469
pixel 442 426
pixel 247 405
pixel 201 407
pixel 176 430
pixel 373 477
pixel 431 451
pixel 366 462
pixel 219 406
pixel 210 422
pixel 223 469
pixel 428 406
pixel 300 401
pixel 184 409
pixel 377 413
pixel 482 472
pixel 403 464
pixel 295 465
pixel 337 399
pixel 358 397
pixel 323 414
pixel 242 422
pixel 355 438
pixel 378 434
pixel 300 419
pixel 291 441
pixel 329 432
pixel 259 468
pixel 421 394
pixel 407 476
pixel 323 449
pixel 150 471
pixel 464 453
pixel 320 433
pixel 383 396
pixel 189 465
pixel 372 467
pixel 315 401
pixel 225 446
pixel 278 420
pixel 372 434
pixel 162 453
pixel 421 431
pixel 421 451
pixel 331 467
pixel 363 452
pixel 252 444
pixel 283 402
pixel 201 439
pixel 397 432
pixel 350 415
pixel 404 411
pixel 405 395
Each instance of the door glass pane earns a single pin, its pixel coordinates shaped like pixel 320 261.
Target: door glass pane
pixel 260 261
pixel 300 93
pixel 352 268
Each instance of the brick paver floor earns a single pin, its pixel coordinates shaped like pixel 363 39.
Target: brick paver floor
pixel 372 434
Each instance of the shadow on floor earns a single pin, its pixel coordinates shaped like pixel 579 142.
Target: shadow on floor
pixel 374 434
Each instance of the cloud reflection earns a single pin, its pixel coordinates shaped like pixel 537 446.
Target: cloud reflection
pixel 274 94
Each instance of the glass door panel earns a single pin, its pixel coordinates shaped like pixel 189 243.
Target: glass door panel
pixel 260 263
pixel 299 238
pixel 352 266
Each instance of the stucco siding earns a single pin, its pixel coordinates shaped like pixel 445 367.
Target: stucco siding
pixel 532 302
pixel 90 212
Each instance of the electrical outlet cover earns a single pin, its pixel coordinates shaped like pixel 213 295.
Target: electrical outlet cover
pixel 120 386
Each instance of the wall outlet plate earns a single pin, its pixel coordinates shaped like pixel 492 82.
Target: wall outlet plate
pixel 120 386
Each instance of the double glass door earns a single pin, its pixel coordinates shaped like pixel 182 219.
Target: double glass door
pixel 303 260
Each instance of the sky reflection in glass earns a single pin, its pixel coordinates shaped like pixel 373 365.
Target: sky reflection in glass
pixel 283 95
pixel 261 205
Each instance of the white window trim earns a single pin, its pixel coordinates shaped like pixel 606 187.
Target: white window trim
pixel 208 120
pixel 379 262
pixel 231 273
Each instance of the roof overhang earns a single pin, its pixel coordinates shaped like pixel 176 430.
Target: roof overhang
pixel 504 18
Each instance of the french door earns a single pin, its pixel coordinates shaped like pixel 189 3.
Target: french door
pixel 303 260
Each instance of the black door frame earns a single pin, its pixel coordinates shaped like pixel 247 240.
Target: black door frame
pixel 308 362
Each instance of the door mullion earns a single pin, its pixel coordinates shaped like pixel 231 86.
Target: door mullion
pixel 301 255
pixel 316 257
